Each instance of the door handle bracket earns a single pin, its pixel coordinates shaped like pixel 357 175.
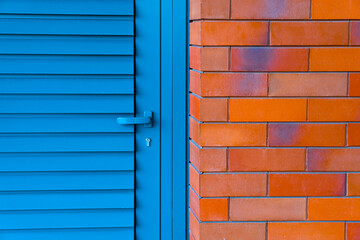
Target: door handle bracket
pixel 147 120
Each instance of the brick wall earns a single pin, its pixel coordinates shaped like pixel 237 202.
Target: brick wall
pixel 275 120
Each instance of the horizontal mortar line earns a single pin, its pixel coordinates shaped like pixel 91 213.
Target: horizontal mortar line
pixel 274 72
pixel 275 172
pixel 270 20
pixel 267 147
pixel 275 97
pixel 311 46
pixel 195 192
pixel 276 122
pixel 275 221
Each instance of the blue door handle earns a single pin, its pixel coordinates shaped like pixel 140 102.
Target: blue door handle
pixel 147 120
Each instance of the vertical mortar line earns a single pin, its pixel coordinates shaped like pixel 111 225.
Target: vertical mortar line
pixel 309 70
pixel 307 209
pixel 345 228
pixel 306 159
pixel 307 109
pixel 348 84
pixel 346 134
pixel 227 159
pixel 228 109
pixel 346 184
pixel 349 32
pixel 228 219
pixel 267 183
pixel 266 230
pixel 269 31
pixel 310 9
pixel 229 59
pixel 230 1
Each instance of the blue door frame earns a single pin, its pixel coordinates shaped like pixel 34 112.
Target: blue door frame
pixel 163 25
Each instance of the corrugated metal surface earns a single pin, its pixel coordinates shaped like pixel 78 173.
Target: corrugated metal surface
pixel 66 74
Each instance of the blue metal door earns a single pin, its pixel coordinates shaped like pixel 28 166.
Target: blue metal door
pixel 67 169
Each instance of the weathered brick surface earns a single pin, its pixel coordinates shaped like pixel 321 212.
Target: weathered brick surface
pixel 275 120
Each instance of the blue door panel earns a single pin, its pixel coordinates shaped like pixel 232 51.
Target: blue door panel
pixel 69 234
pixel 66 219
pixel 66 84
pixel 87 7
pixel 39 162
pixel 66 142
pixel 115 199
pixel 84 45
pixel 67 170
pixel 67 25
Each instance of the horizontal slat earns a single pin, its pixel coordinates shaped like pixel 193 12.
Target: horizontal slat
pixel 67 64
pixel 45 200
pixel 66 219
pixel 36 44
pixel 66 25
pixel 58 123
pixel 100 7
pixel 22 181
pixel 66 84
pixel 12 162
pixel 66 104
pixel 66 142
pixel 69 234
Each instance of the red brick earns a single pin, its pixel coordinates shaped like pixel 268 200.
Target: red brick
pixel 258 59
pixel 341 160
pixel 232 231
pixel 334 209
pixel 309 33
pixel 194 203
pixel 194 130
pixel 229 33
pixel 306 184
pixel 334 110
pixel 306 231
pixel 208 160
pixel 302 135
pixel 209 59
pixel 308 84
pixel 354 85
pixel 194 225
pixel 268 9
pixel 232 185
pixel 335 9
pixel 335 59
pixel 353 231
pixel 353 184
pixel 267 110
pixel 355 33
pixel 208 109
pixel 233 135
pixel 209 9
pixel 228 84
pixel 353 133
pixel 267 159
pixel 267 209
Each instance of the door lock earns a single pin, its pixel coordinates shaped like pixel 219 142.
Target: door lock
pixel 147 120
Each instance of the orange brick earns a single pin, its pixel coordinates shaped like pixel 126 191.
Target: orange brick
pixel 267 110
pixel 353 231
pixel 209 9
pixel 354 85
pixel 353 184
pixel 309 33
pixel 355 33
pixel 334 209
pixel 232 185
pixel 209 59
pixel 194 179
pixel 267 159
pixel 306 184
pixel 232 231
pixel 308 84
pixel 335 59
pixel 302 135
pixel 335 9
pixel 214 209
pixel 344 159
pixel 229 33
pixel 194 225
pixel 334 110
pixel 268 9
pixel 353 133
pixel 209 209
pixel 233 135
pixel 228 84
pixel 267 209
pixel 208 109
pixel 262 59
pixel 194 130
pixel 306 231
pixel 208 160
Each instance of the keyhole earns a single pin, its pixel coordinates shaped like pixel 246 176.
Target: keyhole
pixel 148 140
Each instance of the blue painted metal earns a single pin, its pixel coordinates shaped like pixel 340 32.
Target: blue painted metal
pixel 146 120
pixel 66 74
